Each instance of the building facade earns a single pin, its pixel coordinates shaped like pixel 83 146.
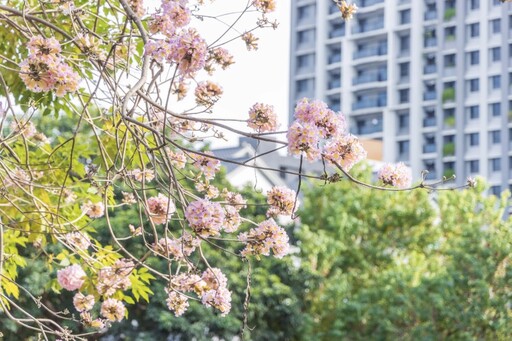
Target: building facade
pixel 430 78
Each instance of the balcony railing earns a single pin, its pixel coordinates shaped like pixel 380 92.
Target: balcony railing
pixel 429 148
pixel 430 42
pixel 371 77
pixel 430 15
pixel 379 50
pixel 429 96
pixel 334 58
pixel 337 32
pixel 369 128
pixel 429 122
pixel 428 69
pixel 370 103
pixel 367 3
pixel 334 84
pixel 369 27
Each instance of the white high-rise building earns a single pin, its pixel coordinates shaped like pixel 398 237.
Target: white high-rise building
pixel 431 78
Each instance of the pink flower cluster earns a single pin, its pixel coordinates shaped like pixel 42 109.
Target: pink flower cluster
pixel 160 209
pixel 178 159
pixel 262 117
pixel 234 199
pixel 345 151
pixel 314 122
pixel 267 236
pixel 398 175
pixel 206 218
pixel 82 302
pixel 211 286
pixel 96 210
pixel 265 6
pixel 207 165
pixel 115 277
pixel 186 49
pixel 142 175
pixel 219 56
pixel 113 310
pixel 174 14
pixel 232 219
pixel 178 248
pixel 46 70
pixel 208 93
pixel 72 277
pixel 78 240
pixel 281 201
pixel 177 302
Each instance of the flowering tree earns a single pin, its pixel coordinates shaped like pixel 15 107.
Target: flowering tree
pixel 136 88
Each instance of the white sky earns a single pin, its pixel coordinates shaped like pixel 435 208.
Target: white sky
pixel 256 76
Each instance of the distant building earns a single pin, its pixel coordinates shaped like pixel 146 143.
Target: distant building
pixel 273 169
pixel 429 78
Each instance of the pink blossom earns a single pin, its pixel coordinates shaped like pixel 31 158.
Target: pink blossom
pixel 206 218
pixel 96 210
pixel 113 310
pixel 346 151
pixel 264 238
pixel 234 199
pixel 262 117
pixel 175 14
pixel 219 299
pixel 265 6
pixel 207 165
pixel 303 139
pixel 398 175
pixel 178 159
pixel 177 302
pixel 281 201
pixel 208 93
pixel 232 219
pixel 71 277
pixel 115 277
pixel 78 240
pixel 214 278
pixel 316 112
pixel 188 51
pixel 160 209
pixel 82 302
pixel 178 248
pixel 219 56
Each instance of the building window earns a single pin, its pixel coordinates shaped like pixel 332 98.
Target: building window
pixel 449 60
pixel 474 112
pixel 306 37
pixel 496 2
pixel 306 13
pixel 495 136
pixel 495 190
pixel 404 69
pixel 474 30
pixel 405 16
pixel 474 139
pixel 403 147
pixel 495 81
pixel 474 85
pixel 474 57
pixel 495 165
pixel 304 85
pixel 305 61
pixel 404 43
pixel 496 54
pixel 496 109
pixel 474 166
pixel 403 95
pixel 474 4
pixel 495 26
pixel 403 121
